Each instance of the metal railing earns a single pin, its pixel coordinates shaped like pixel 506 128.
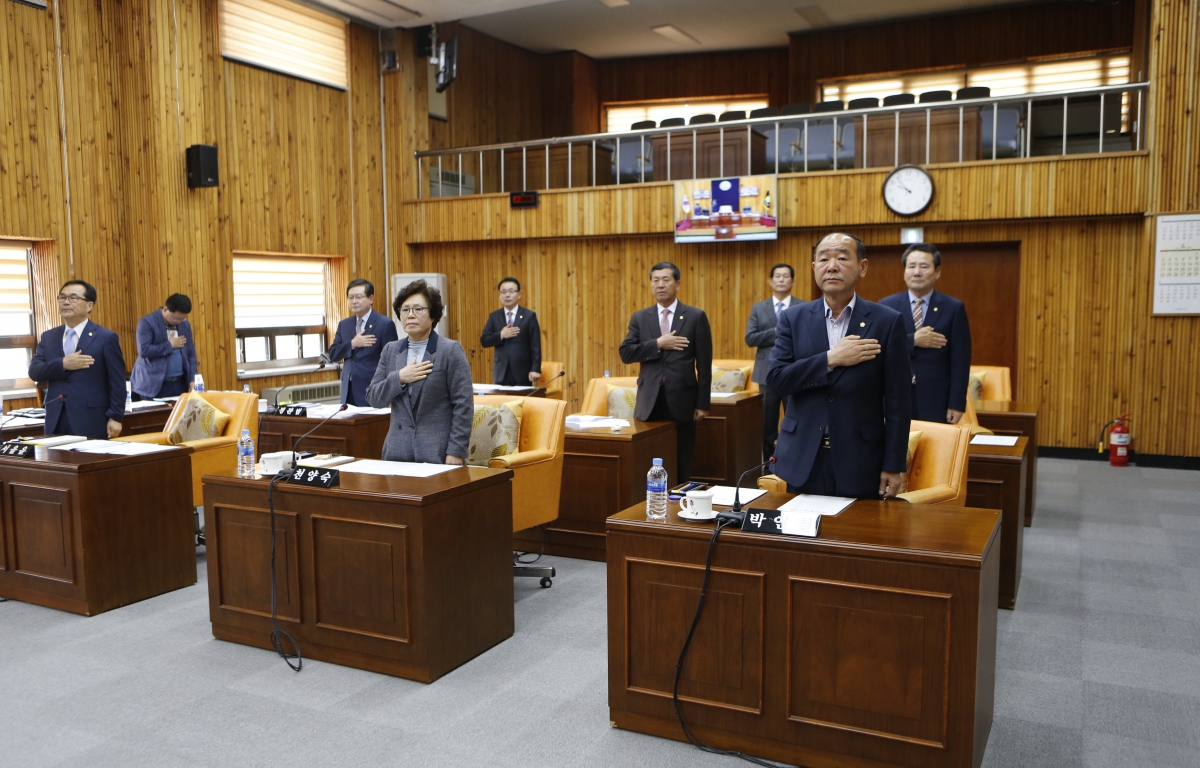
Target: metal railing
pixel 1096 120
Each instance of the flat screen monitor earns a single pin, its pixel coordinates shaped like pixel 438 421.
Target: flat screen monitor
pixel 731 209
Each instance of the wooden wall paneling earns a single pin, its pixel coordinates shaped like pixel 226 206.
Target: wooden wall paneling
pixel 992 36
pixel 366 188
pixel 718 73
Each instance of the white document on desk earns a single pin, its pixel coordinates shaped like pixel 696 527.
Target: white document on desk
pixel 396 468
pixel 1005 440
pixel 723 395
pixel 819 505
pixel 723 495
pixel 325 410
pixel 586 421
pixel 118 447
pixel 23 421
pixel 141 405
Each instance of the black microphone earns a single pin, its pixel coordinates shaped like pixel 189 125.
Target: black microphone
pixel 314 429
pixel 548 383
pixel 736 515
pixel 324 362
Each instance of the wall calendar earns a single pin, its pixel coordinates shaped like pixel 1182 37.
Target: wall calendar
pixel 1177 265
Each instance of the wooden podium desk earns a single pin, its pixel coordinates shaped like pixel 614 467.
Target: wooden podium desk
pixel 603 473
pixel 89 532
pixel 360 435
pixel 873 644
pixel 1014 417
pixel 729 441
pixel 996 476
pixel 405 576
pixel 139 422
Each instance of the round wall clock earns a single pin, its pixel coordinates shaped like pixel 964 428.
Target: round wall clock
pixel 908 190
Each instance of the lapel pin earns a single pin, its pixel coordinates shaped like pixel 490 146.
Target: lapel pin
pixel 89 333
pixel 862 325
pixel 935 309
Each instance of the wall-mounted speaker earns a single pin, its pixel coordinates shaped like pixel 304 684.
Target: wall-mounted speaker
pixel 202 166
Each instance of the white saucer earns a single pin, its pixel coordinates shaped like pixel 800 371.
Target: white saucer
pixel 697 518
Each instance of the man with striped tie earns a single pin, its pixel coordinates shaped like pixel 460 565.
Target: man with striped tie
pixel 760 332
pixel 939 337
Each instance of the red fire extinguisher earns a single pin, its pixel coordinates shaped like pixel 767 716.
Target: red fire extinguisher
pixel 1118 441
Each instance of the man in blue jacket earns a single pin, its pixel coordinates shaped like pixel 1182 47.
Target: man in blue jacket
pixel 83 365
pixel 842 363
pixel 166 364
pixel 359 340
pixel 939 338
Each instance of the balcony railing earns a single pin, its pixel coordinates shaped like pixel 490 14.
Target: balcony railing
pixel 1097 120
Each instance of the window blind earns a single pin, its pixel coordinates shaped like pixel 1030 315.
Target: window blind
pixel 278 293
pixel 16 304
pixel 286 37
pixel 619 117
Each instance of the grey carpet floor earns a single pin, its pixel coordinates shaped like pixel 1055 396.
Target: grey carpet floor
pixel 1099 665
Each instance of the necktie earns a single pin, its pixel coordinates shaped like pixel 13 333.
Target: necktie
pixel 918 312
pixel 69 341
pixel 665 324
pixel 362 321
pixel 778 308
pixel 510 314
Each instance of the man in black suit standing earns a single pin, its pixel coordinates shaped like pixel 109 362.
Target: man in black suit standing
pixel 760 332
pixel 673 343
pixel 842 362
pixel 514 331
pixel 359 341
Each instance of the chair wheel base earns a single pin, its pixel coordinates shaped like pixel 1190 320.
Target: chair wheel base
pixel 536 571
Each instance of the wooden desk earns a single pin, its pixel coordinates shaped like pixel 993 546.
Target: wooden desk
pixel 406 576
pixel 996 477
pixel 729 441
pixel 603 473
pixel 360 435
pixel 871 645
pixel 139 422
pixel 1014 417
pixel 87 532
pixel 708 154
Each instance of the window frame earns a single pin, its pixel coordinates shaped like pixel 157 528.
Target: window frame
pixel 686 102
pixel 27 341
pixel 270 334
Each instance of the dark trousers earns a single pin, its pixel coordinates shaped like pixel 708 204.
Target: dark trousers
pixel 771 403
pixel 822 482
pixel 169 388
pixel 685 436
pixel 508 379
pixel 63 427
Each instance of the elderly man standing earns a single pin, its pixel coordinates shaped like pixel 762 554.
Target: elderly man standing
pixel 843 363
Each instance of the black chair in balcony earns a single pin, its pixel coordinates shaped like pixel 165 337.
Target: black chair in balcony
pixel 707 117
pixel 642 124
pixel 764 112
pixel 866 102
pixel 974 92
pixel 899 100
pixel 735 114
pixel 934 96
pixel 795 109
pixel 836 105
pixel 672 122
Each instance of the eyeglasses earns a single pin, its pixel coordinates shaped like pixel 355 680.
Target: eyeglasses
pixel 414 311
pixel 70 297
pixel 508 291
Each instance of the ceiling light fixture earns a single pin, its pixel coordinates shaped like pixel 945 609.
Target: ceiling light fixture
pixel 675 34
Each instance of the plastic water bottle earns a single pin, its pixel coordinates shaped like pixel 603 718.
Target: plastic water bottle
pixel 245 447
pixel 246 389
pixel 199 383
pixel 606 374
pixel 128 398
pixel 656 492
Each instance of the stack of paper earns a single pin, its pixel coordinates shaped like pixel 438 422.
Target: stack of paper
pixel 722 395
pixel 584 421
pixel 396 468
pixel 325 410
pixel 1005 440
pixel 22 421
pixel 53 441
pixel 817 505
pixel 723 495
pixel 325 461
pixel 119 448
pixel 144 404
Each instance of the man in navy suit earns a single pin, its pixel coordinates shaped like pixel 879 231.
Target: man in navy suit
pixel 359 340
pixel 166 364
pixel 83 364
pixel 517 337
pixel 939 338
pixel 842 362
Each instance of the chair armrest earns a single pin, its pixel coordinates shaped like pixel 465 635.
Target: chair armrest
pixel 154 438
pixel 772 483
pixel 521 458
pixel 935 495
pixel 208 443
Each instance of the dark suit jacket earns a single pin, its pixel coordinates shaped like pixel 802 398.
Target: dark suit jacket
pixel 686 374
pixel 94 394
pixel 518 356
pixel 360 364
pixel 941 374
pixel 864 407
pixel 760 332
pixel 154 351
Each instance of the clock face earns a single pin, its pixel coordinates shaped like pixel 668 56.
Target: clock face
pixel 908 190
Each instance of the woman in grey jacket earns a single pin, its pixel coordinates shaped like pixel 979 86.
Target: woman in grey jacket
pixel 426 381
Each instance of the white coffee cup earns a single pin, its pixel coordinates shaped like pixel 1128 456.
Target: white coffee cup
pixel 697 503
pixel 273 463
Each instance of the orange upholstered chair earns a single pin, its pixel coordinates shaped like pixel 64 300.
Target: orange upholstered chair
pixel 211 454
pixel 997 383
pixel 595 397
pixel 537 467
pixel 730 364
pixel 939 466
pixel 970 419
pixel 550 369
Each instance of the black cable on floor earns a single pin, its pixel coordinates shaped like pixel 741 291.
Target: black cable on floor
pixel 518 555
pixel 691 737
pixel 278 634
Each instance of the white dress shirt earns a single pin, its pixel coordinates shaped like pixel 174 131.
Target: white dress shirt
pixel 836 329
pixel 78 334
